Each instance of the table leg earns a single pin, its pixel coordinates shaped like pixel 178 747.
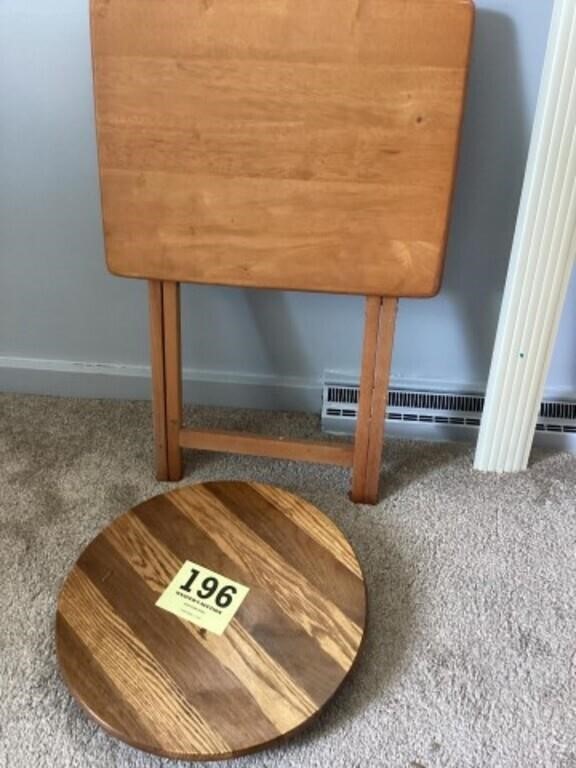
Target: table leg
pixel 155 303
pixel 173 374
pixel 376 361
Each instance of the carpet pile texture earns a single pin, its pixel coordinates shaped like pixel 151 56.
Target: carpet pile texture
pixel 470 655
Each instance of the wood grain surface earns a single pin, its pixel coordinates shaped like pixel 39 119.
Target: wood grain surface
pixel 283 144
pixel 168 687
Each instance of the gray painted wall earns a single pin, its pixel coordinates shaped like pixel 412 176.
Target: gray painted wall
pixel 67 327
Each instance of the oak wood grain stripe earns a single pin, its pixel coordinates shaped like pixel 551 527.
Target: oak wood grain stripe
pixel 280 635
pixel 147 688
pixel 316 524
pixel 336 634
pixel 89 682
pixel 314 562
pixel 216 694
pixel 273 689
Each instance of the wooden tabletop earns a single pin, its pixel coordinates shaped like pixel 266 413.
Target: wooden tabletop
pixel 297 144
pixel 167 686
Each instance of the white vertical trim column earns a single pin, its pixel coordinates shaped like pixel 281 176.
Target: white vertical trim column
pixel 541 262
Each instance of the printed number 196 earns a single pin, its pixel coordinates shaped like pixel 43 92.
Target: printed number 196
pixel 210 587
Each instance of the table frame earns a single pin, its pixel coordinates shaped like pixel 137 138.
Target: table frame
pixel 351 196
pixel 363 456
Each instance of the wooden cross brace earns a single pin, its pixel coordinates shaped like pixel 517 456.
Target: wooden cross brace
pixel 171 436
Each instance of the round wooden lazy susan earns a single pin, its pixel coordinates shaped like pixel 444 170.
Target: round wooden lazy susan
pixel 211 621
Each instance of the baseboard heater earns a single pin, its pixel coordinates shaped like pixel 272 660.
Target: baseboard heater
pixel 440 416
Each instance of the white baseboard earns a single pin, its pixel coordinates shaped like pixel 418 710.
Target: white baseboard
pixel 64 378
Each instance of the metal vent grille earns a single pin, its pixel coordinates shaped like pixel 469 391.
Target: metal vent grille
pixel 340 402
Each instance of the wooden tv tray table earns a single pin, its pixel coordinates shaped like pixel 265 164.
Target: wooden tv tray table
pixel 288 144
pixel 166 686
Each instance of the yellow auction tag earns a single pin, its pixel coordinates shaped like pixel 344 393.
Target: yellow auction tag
pixel 204 597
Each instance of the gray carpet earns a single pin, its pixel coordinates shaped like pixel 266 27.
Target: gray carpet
pixel 470 659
